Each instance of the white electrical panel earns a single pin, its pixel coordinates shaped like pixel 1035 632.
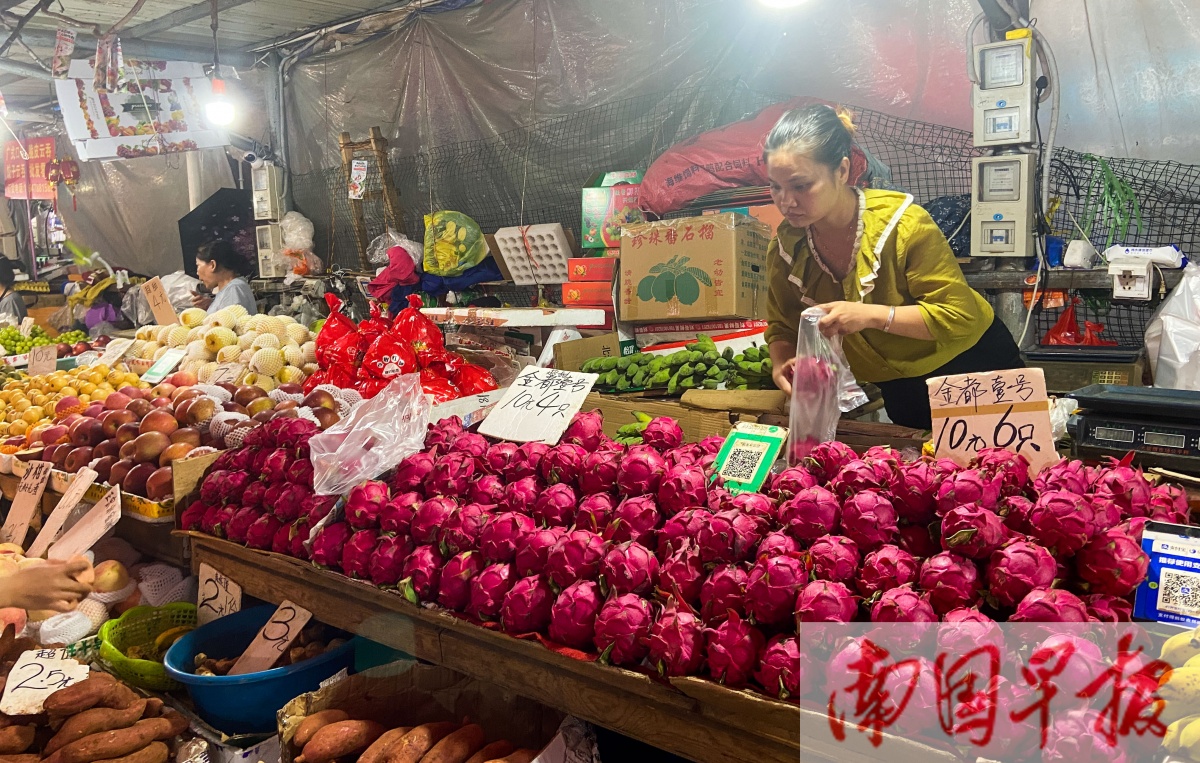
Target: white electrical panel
pixel 1003 97
pixel 1002 213
pixel 271 262
pixel 267 192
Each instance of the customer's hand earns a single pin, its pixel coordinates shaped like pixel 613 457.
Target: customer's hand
pixel 201 301
pixel 782 374
pixel 52 585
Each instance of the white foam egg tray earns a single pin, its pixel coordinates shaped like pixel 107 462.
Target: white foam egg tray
pixel 535 254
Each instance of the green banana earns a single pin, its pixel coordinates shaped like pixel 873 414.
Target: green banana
pixel 639 380
pixel 623 384
pixel 710 384
pixel 687 369
pixel 660 378
pixel 590 366
pixel 643 418
pixel 655 365
pixel 727 353
pixel 752 353
pixel 608 364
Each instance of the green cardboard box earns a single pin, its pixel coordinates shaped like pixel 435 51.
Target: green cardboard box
pixel 610 200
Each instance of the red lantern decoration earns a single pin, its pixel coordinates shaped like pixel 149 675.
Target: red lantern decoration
pixel 64 171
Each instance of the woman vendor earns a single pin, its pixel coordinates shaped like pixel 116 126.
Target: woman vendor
pixel 219 267
pixel 877 264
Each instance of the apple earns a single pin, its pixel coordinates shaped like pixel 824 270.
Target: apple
pixel 183 378
pixel 148 446
pixel 119 471
pixel 158 421
pixel 132 392
pixel 246 393
pixel 80 347
pixel 326 418
pixel 60 456
pixel 160 484
pixel 116 401
pixel 93 410
pixel 187 435
pixel 126 432
pixel 291 389
pixel 134 600
pixel 111 576
pixel 70 419
pixel 104 465
pixel 135 481
pixel 48 451
pixel 320 398
pixel 62 350
pixel 262 417
pixel 174 451
pixel 259 405
pixel 109 447
pixel 115 419
pixel 233 407
pixel 87 432
pixel 29 454
pixel 164 389
pixel 230 388
pixel 140 407
pixel 201 410
pixel 161 402
pixel 101 341
pixel 14 616
pixel 77 459
pixel 127 450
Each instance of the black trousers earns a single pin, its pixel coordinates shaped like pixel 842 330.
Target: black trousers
pixel 907 400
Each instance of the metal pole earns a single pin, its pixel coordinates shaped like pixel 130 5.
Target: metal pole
pixel 193 179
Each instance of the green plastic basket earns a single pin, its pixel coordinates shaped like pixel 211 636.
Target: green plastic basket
pixel 140 626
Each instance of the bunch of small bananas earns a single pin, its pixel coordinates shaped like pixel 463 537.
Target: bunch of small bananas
pixel 631 434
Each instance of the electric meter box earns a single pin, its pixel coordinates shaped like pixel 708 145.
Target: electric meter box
pixel 271 262
pixel 1002 211
pixel 267 192
pixel 1003 96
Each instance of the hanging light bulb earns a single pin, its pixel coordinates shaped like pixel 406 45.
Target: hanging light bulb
pixel 219 109
pixel 782 3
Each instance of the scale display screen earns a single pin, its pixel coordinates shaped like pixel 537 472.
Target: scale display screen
pixel 1112 434
pixel 1158 439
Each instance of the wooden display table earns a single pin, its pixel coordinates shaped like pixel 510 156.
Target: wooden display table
pixel 696 719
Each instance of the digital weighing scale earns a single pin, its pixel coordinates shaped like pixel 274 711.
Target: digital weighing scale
pixel 1161 425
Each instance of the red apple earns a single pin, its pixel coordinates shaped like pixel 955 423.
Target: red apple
pixel 93 410
pixel 80 347
pixel 182 378
pixel 77 459
pixel 108 447
pixel 117 475
pixel 104 467
pixel 165 389
pixel 135 480
pixel 116 401
pixel 133 393
pixel 115 419
pixel 160 485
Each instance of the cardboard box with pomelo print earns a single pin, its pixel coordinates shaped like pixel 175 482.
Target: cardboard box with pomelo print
pixel 694 268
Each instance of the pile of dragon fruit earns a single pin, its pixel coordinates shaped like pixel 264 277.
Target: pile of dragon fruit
pixel 639 554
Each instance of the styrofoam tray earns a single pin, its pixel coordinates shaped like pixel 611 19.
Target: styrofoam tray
pixel 535 254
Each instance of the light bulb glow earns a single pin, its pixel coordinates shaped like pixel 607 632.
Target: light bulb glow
pixel 782 3
pixel 219 110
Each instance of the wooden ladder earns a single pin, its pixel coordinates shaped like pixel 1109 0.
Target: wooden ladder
pixel 374 148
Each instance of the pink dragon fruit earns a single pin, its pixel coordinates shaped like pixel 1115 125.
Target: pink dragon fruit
pixel 1062 522
pixel 869 519
pixel 886 568
pixel 563 463
pixel 365 503
pixel 917 540
pixel 1126 486
pixel 1050 605
pixel 498 457
pixel 775 544
pixel 595 512
pixel 723 591
pixel 622 629
pixel 903 605
pixel 1016 510
pixel 411 473
pixel 430 517
pixel 730 536
pixel 576 556
pixel 397 515
pixel 684 455
pixel 289 505
pixel 454 583
pixel 421 574
pixel 887 471
pixel 442 433
pixel 461 530
pixel 527 461
pixel 856 477
pixel 1112 563
pixel 662 434
pixel 526 607
pixel 531 555
pixel 676 642
pixel 950 581
pixel 1018 568
pixel 712 444
pixel 641 471
pixel 301 472
pixel 829 458
pixel 635 519
pixel 973 532
pixel 682 574
pixel 791 481
pixel 356 554
pixel 216 518
pixel 317 507
pixel 573 616
pixel 1103 608
pixel 916 712
pixel 328 543
pixel 823 601
pixel 1086 661
pixel 488 590
pixel 281 541
pixel 487 489
pixel 811 514
pixel 782 670
pixel 964 630
pixel 719 499
pixel 275 467
pixel 629 568
pixel 503 535
pixel 771 589
pixel 968 488
pixel 1011 469
pixel 235 485
pixel 451 475
pixel 1076 736
pixel 300 534
pixel 834 558
pixel 1133 527
pixel 520 495
pixel 756 504
pixel 474 445
pixel 240 524
pixel 272 497
pixel 598 474
pixel 556 506
pixel 387 563
pixel 586 430
pixel 914 498
pixel 1071 476
pixel 253 494
pixel 680 529
pixel 734 649
pixel 1169 503
pixel 1008 739
pixel 684 487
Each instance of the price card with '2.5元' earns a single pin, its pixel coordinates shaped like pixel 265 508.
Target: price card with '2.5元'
pixel 37 674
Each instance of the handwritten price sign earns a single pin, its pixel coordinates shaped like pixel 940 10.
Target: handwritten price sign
pixel 36 675
pixel 93 526
pixel 217 595
pixel 273 640
pixel 998 409
pixel 26 502
pixel 160 305
pixel 57 521
pixel 115 350
pixel 42 360
pixel 538 406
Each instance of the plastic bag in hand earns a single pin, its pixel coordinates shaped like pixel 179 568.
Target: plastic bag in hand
pixel 815 389
pixel 377 435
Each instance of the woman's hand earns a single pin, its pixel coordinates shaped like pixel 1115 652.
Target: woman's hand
pixel 51 586
pixel 201 301
pixel 782 374
pixel 851 317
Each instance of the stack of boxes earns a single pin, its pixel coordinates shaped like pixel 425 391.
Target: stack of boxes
pixel 610 202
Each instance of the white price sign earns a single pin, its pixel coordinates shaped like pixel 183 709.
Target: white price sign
pixel 37 674
pixel 115 350
pixel 538 406
pixel 217 595
pixel 90 528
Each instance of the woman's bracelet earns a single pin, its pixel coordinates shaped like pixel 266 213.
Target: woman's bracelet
pixel 887 325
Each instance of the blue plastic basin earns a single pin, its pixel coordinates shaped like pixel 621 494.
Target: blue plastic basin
pixel 246 704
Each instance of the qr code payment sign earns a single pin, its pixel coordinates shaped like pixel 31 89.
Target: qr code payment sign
pixel 744 460
pixel 1179 592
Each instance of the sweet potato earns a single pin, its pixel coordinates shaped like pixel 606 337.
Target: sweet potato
pixel 155 752
pixel 94 721
pixel 419 741
pixel 339 739
pixel 81 696
pixel 458 746
pixel 20 758
pixel 121 742
pixel 154 707
pixel 15 740
pixel 492 752
pixel 7 639
pixel 524 755
pixel 377 753
pixel 315 722
pixel 120 697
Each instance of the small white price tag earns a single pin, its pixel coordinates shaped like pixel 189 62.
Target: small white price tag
pixel 273 640
pixel 228 373
pixel 43 360
pixel 37 674
pixel 26 502
pixel 115 350
pixel 217 595
pixel 538 406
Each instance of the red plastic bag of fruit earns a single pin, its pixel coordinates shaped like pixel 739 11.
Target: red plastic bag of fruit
pixel 473 380
pixel 441 362
pixel 441 389
pixel 413 327
pixel 375 325
pixel 331 339
pixel 387 357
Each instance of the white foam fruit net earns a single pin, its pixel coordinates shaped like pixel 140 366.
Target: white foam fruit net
pixel 66 628
pixel 185 590
pixel 96 613
pixel 278 396
pixel 220 424
pixel 158 582
pixel 114 597
pixel 220 394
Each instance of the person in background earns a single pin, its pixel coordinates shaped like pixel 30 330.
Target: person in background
pixel 53 585
pixel 11 303
pixel 219 267
pixel 878 266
